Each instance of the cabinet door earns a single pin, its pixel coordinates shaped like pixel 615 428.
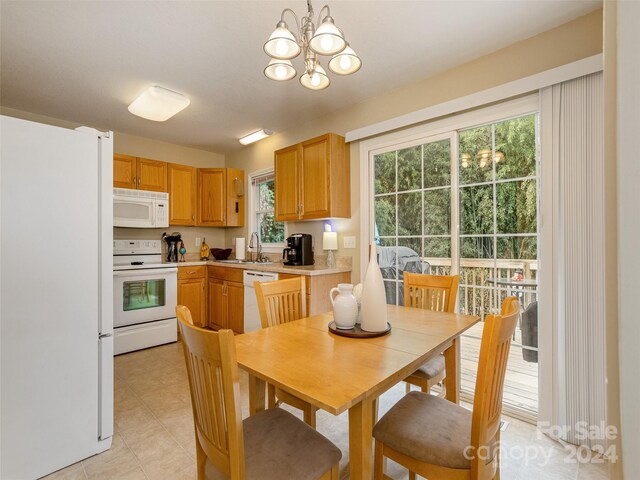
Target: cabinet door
pixel 235 306
pixel 124 171
pixel 152 175
pixel 192 294
pixel 211 201
pixel 287 178
pixel 235 190
pixel 217 308
pixel 315 174
pixel 182 183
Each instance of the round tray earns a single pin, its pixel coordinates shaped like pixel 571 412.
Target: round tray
pixel 357 332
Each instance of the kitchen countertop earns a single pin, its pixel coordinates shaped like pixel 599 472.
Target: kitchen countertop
pixel 278 267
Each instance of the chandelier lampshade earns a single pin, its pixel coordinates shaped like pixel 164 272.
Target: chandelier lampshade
pixel 282 44
pixel 328 39
pixel 280 70
pixel 316 79
pixel 345 63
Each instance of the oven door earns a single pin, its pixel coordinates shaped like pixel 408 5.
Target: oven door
pixel 144 295
pixel 134 212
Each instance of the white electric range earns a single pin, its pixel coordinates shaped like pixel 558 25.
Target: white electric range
pixel 145 292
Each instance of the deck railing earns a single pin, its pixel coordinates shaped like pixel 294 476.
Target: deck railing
pixel 479 295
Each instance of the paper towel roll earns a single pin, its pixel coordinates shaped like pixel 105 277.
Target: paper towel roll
pixel 240 249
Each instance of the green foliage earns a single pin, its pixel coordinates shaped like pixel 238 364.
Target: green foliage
pixel 269 230
pixel 504 150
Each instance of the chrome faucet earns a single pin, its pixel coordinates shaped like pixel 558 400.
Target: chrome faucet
pixel 259 247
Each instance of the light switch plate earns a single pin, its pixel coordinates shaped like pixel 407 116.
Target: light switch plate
pixel 198 241
pixel 349 242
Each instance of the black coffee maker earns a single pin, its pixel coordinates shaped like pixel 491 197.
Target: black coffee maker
pixel 299 250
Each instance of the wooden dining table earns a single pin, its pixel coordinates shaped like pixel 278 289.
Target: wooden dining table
pixel 337 373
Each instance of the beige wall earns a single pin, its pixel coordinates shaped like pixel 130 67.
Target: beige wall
pixel 157 150
pixel 567 43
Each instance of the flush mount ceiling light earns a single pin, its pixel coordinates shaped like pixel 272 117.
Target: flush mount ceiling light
pixel 255 136
pixel 284 45
pixel 158 104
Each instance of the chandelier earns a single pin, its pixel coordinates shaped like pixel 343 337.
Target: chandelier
pixel 284 45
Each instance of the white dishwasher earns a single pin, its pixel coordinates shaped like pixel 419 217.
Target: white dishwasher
pixel 251 314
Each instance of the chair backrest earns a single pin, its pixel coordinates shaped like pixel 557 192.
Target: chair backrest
pixel 281 301
pixel 492 365
pixel 431 292
pixel 215 395
pixel 183 313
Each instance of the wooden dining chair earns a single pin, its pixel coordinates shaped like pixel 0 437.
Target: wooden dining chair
pixel 430 292
pixel 270 445
pixel 441 440
pixel 279 302
pixel 183 313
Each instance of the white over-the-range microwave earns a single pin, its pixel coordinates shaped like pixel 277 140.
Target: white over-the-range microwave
pixel 140 208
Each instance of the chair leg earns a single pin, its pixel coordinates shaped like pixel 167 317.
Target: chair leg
pixel 408 389
pixel 378 461
pixel 412 475
pixel 374 411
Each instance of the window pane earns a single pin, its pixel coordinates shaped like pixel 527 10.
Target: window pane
pixel 415 244
pixel 437 212
pixel 385 215
pixel 410 213
pixel 516 141
pixel 390 290
pixel 475 155
pixel 437 164
pixel 517 248
pixel 385 172
pixel 409 169
pixel 476 209
pixel 516 207
pixel 439 247
pixel 266 196
pixel 476 247
pixel 270 230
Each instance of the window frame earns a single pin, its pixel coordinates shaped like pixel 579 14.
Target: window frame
pixel 253 210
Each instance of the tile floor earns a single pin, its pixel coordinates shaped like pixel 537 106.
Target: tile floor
pixel 154 436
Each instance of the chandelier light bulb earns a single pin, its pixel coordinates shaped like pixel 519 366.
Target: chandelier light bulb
pixel 315 79
pixel 345 63
pixel 280 71
pixel 281 47
pixel 326 43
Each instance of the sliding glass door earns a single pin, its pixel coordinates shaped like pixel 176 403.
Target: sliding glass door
pixel 466 202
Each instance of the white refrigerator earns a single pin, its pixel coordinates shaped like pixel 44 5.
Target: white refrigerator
pixel 56 296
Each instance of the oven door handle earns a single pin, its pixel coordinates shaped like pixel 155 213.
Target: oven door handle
pixel 145 272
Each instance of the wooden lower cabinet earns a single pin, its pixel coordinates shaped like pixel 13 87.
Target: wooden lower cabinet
pixel 226 299
pixel 318 288
pixel 192 292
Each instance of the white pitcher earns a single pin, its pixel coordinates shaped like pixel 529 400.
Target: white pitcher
pixel 345 306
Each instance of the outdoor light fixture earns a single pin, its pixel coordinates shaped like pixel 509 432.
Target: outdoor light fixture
pixel 158 104
pixel 284 45
pixel 255 136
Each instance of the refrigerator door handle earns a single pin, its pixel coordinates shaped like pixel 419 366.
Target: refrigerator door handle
pixel 105 387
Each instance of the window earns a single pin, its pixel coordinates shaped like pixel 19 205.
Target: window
pixel 261 213
pixel 466 201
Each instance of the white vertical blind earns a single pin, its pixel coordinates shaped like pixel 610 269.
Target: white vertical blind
pixel 578 133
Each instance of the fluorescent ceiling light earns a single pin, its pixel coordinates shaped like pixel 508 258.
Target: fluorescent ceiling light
pixel 158 104
pixel 255 136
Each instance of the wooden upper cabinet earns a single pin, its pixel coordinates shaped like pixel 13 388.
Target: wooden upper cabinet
pixel 124 171
pixel 182 186
pixel 139 173
pixel 220 197
pixel 312 179
pixel 152 175
pixel 211 201
pixel 287 179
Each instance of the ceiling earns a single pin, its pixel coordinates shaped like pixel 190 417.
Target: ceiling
pixel 86 61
